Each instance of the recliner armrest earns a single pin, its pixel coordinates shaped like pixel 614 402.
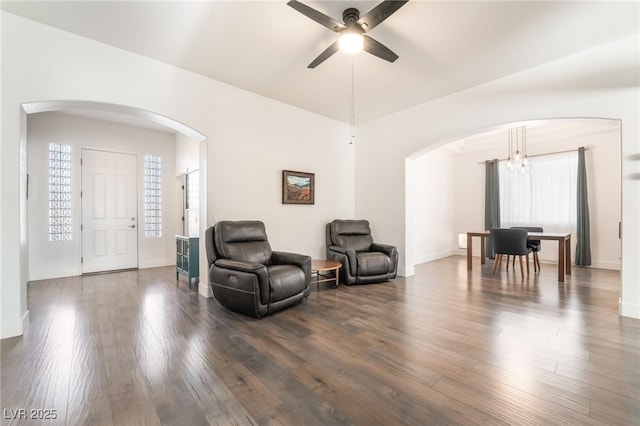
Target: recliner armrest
pixel 349 254
pixel 339 249
pixel 301 260
pixel 390 251
pixel 238 265
pixel 385 248
pixel 230 272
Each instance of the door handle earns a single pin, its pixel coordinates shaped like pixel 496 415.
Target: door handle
pixel 132 226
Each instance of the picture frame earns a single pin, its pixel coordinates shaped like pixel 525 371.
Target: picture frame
pixel 298 187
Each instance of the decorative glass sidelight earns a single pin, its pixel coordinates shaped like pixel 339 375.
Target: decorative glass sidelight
pixel 59 192
pixel 152 196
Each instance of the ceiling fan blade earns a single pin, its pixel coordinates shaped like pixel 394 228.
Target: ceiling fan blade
pixel 319 17
pixel 378 49
pixel 325 55
pixel 379 13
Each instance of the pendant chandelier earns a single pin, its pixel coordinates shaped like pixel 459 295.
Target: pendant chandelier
pixel 518 140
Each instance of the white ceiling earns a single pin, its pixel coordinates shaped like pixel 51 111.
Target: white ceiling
pixel 265 46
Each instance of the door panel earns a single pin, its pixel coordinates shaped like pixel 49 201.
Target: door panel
pixel 109 211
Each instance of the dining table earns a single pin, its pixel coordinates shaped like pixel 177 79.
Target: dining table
pixel 564 248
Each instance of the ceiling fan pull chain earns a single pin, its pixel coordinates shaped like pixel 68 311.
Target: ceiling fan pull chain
pixel 352 107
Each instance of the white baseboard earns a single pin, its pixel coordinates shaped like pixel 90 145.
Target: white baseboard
pixel 204 290
pixel 406 272
pixel 614 266
pixel 15 328
pixel 156 263
pixel 436 256
pixel 630 310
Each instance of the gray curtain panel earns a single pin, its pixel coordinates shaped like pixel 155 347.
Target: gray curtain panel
pixel 491 201
pixel 583 237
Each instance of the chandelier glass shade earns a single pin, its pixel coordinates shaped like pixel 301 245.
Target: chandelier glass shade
pixel 518 148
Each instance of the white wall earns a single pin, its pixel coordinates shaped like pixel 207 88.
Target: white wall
pixel 432 177
pixel 58 259
pixel 250 140
pixel 187 155
pixel 583 85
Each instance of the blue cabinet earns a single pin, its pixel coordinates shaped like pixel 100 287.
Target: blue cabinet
pixel 187 258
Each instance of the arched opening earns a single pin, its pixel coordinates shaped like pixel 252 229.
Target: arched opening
pixel 445 185
pixel 92 126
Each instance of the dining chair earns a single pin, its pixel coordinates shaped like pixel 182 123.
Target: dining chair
pixel 534 244
pixel 512 242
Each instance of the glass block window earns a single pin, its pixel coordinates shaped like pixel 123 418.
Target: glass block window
pixel 59 192
pixel 152 196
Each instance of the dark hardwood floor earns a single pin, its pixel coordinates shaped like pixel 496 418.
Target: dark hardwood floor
pixel 442 347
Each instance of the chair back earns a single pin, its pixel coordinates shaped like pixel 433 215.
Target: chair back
pixel 530 229
pixel 244 240
pixel 350 234
pixel 510 241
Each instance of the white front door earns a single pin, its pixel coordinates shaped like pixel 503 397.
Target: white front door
pixel 109 211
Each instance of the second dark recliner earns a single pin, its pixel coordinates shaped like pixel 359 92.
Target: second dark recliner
pixel 246 276
pixel 350 242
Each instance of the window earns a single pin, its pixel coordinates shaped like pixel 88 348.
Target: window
pixel 152 196
pixel 543 195
pixel 59 192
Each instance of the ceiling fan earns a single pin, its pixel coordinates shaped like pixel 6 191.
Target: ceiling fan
pixel 352 32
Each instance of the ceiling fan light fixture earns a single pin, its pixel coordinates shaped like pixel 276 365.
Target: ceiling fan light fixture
pixel 351 41
pixel 352 32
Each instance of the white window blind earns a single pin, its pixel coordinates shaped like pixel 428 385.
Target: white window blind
pixel 544 195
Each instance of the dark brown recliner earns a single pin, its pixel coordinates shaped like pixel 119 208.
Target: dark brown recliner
pixel 246 276
pixel 363 261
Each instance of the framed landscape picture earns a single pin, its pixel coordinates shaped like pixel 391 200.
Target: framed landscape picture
pixel 298 187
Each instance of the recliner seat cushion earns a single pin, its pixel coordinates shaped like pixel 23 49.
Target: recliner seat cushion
pixel 373 263
pixel 285 281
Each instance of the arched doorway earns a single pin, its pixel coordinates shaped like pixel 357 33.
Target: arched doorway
pixel 445 192
pixel 113 116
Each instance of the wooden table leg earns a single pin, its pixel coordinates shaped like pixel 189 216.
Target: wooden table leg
pixel 483 255
pixel 561 260
pixel 567 256
pixel 469 252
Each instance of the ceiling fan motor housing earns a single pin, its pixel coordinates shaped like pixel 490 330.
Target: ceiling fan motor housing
pixel 352 26
pixel 350 15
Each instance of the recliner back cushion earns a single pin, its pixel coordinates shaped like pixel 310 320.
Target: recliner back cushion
pixel 243 240
pixel 352 234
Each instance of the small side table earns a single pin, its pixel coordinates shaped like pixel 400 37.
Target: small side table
pixel 320 268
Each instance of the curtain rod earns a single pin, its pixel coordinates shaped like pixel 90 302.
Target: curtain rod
pixel 539 155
